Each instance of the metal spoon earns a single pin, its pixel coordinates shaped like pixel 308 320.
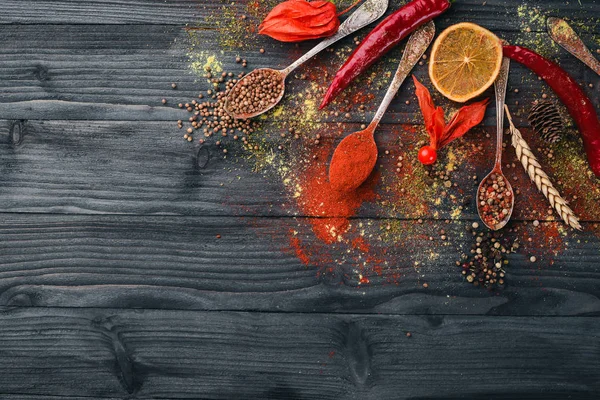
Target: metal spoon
pixel 369 11
pixel 500 88
pixel 348 174
pixel 562 33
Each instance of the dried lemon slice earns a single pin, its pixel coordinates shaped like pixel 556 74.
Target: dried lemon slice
pixel 465 61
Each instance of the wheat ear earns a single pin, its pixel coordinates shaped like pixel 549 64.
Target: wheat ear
pixel 539 177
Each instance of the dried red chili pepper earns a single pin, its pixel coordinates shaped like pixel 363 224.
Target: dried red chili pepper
pixel 382 39
pixel 573 97
pixel 298 20
pixel 440 133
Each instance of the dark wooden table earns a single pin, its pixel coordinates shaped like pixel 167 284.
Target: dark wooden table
pixel 113 283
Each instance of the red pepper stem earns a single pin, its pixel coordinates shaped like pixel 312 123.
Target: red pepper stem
pixel 349 8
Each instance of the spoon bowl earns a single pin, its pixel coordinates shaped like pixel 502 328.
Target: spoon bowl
pixel 282 75
pixel 500 223
pixel 348 173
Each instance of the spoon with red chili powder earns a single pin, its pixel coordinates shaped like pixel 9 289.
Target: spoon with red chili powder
pixel 268 84
pixel 495 196
pixel 355 157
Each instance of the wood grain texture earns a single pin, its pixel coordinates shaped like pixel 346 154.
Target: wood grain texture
pixel 496 14
pixel 229 355
pixel 120 167
pixel 179 263
pixel 18 396
pixel 105 72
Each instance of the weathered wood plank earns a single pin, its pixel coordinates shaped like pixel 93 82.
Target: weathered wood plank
pixel 147 168
pixel 496 14
pixel 180 263
pixel 163 354
pixel 87 72
pixel 19 396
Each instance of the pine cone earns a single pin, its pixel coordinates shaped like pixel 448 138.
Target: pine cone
pixel 546 120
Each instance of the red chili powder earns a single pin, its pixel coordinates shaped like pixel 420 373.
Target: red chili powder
pixel 330 209
pixel 546 240
pixel 360 244
pixel 299 250
pixel 353 161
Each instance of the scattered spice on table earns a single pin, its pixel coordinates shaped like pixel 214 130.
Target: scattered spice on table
pixel 331 207
pixel 235 30
pixel 485 262
pixel 544 244
pixel 531 22
pixel 570 169
pixel 209 117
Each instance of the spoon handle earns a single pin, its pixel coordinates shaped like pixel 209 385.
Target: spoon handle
pixel 418 42
pixel 369 11
pixel 565 36
pixel 500 87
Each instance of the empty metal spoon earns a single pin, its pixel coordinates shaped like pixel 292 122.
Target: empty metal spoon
pixel 495 196
pixel 562 33
pixel 347 174
pixel 369 11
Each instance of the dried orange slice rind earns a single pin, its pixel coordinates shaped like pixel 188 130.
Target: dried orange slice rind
pixel 465 61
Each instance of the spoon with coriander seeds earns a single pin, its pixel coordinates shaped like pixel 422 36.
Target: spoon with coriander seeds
pixel 262 89
pixel 495 196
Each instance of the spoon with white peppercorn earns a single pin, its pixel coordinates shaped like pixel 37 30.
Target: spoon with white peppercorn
pixel 263 88
pixel 495 196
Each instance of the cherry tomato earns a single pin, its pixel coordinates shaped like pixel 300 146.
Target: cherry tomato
pixel 427 155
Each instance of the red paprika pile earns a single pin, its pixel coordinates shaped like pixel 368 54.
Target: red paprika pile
pixel 353 161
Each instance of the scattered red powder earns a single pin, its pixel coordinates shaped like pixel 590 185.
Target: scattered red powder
pixel 353 161
pixel 337 249
pixel 546 240
pixel 378 270
pixel 299 250
pixel 330 210
pixel 359 243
